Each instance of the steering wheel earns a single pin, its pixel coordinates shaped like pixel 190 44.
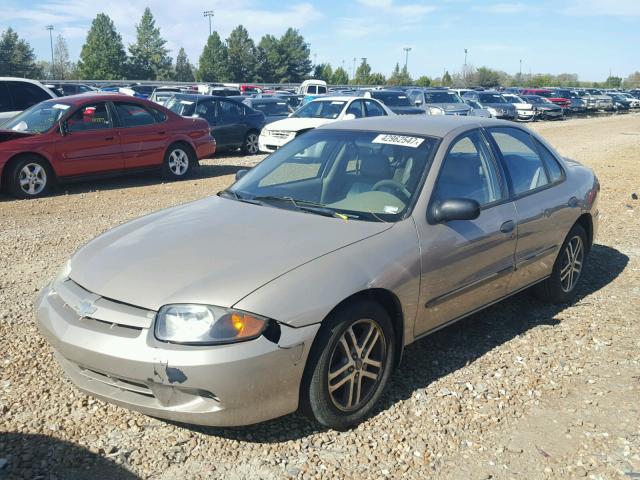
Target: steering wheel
pixel 395 188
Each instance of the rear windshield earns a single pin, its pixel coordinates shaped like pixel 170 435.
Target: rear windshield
pixel 491 98
pixel 393 99
pixel 442 97
pixel 272 108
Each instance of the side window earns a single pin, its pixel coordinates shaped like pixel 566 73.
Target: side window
pixel 312 90
pixel 6 104
pixel 133 115
pixel 468 171
pixel 373 109
pixel 207 110
pixel 89 117
pixel 355 108
pixel 229 112
pixel 550 161
pixel 521 158
pixel 322 89
pixel 26 95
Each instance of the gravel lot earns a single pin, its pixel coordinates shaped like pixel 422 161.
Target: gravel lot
pixel 521 390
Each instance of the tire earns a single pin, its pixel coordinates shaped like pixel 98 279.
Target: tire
pixel 30 177
pixel 178 161
pixel 336 408
pixel 250 145
pixel 561 286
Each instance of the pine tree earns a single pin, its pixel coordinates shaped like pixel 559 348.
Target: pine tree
pixel 183 72
pixel 446 79
pixel 242 55
pixel 340 77
pixel 214 61
pixel 362 73
pixel 149 56
pixel 268 59
pixel 102 56
pixel 16 56
pixel 323 71
pixel 294 63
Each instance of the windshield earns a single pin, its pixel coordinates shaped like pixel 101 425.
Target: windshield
pixel 442 97
pixel 39 118
pixel 491 98
pixel 392 99
pixel 358 175
pixel 513 99
pixel 546 94
pixel 272 108
pixel 537 100
pixel 181 106
pixel 321 109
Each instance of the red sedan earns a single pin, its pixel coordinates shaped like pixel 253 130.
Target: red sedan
pixel 98 134
pixel 550 95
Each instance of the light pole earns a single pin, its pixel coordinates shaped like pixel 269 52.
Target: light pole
pixel 354 68
pixel 50 28
pixel 406 58
pixel 520 70
pixel 209 14
pixel 464 69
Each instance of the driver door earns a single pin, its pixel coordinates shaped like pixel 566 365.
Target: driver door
pixel 466 264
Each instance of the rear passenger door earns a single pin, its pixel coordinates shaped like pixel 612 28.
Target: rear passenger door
pixel 143 134
pixel 543 206
pixel 230 127
pixel 466 264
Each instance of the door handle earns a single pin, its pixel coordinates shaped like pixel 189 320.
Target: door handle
pixel 162 132
pixel 108 138
pixel 508 226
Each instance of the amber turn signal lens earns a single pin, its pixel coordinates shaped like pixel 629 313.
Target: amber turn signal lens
pixel 246 325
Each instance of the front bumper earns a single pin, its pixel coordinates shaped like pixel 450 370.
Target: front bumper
pixel 270 143
pixel 225 385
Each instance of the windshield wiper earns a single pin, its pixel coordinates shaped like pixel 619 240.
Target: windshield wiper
pixel 302 205
pixel 227 193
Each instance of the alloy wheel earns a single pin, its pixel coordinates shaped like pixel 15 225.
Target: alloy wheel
pixel 356 365
pixel 252 144
pixel 32 179
pixel 178 162
pixel 572 264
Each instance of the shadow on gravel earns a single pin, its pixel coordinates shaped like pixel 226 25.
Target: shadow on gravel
pixel 450 349
pixel 39 456
pixel 143 179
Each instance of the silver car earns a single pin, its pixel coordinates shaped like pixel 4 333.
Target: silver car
pixel 300 285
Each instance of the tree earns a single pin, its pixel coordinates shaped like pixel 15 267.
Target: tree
pixel 363 72
pixel 242 55
pixel 377 79
pixel 485 77
pixel 423 81
pixel 149 56
pixel 268 58
pixel 102 56
pixel 447 81
pixel 183 71
pixel 294 64
pixel 323 71
pixel 214 61
pixel 613 82
pixel 633 80
pixel 16 56
pixel 340 77
pixel 62 66
pixel 400 77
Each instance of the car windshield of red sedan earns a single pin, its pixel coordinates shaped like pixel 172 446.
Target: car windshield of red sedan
pixel 39 118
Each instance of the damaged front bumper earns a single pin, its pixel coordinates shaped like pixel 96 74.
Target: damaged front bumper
pixel 121 362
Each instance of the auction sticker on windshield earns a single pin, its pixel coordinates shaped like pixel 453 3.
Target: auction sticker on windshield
pixel 404 141
pixel 60 106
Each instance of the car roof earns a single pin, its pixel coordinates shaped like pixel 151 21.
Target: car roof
pixel 430 125
pixel 337 98
pixel 96 96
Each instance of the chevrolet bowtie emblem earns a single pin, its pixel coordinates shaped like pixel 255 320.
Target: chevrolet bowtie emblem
pixel 85 308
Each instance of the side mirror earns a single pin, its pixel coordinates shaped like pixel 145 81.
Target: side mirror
pixel 241 173
pixel 349 116
pixel 454 209
pixel 417 103
pixel 63 128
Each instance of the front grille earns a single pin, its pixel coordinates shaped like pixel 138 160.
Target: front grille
pixel 279 134
pixel 121 383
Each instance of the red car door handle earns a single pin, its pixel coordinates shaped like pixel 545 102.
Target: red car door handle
pixel 108 138
pixel 162 132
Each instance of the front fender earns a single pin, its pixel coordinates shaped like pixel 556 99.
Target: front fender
pixel 305 295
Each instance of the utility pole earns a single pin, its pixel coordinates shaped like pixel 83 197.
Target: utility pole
pixel 464 69
pixel 209 14
pixel 50 28
pixel 521 70
pixel 406 57
pixel 315 59
pixel 354 68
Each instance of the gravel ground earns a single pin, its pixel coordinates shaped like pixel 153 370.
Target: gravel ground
pixel 521 390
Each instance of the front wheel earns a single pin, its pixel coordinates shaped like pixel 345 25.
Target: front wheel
pixel 349 365
pixel 561 286
pixel 177 162
pixel 250 145
pixel 30 177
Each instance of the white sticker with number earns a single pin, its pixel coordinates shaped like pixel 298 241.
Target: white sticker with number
pixel 402 140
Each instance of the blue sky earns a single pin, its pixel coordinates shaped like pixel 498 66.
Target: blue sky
pixel 587 37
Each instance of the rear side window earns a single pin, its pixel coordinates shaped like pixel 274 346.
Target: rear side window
pixel 355 109
pixel 373 109
pixel 521 158
pixel 229 111
pixel 6 104
pixel 26 95
pixel 89 117
pixel 550 161
pixel 133 115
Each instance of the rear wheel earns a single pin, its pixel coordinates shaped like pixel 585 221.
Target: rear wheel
pixel 349 365
pixel 250 145
pixel 561 286
pixel 177 162
pixel 30 177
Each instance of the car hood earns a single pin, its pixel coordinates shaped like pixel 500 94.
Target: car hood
pixel 8 135
pixel 213 251
pixel 292 124
pixel 406 110
pixel 274 118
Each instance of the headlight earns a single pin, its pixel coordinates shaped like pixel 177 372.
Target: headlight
pixel 206 325
pixel 492 111
pixel 436 111
pixel 64 272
